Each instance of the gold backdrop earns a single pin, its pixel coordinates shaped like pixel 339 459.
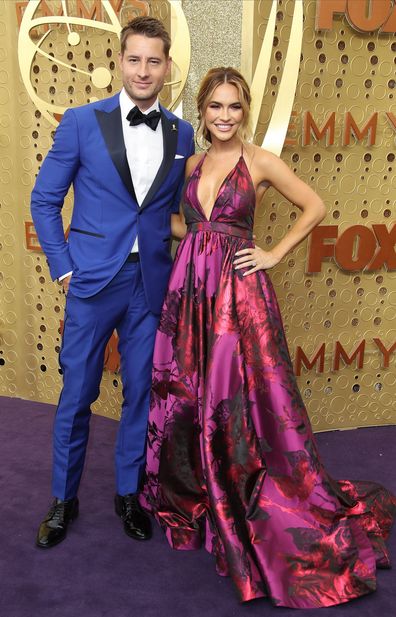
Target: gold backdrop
pixel 345 77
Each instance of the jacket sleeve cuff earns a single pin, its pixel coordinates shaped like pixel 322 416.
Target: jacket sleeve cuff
pixel 60 264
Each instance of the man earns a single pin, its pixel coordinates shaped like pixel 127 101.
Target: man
pixel 125 156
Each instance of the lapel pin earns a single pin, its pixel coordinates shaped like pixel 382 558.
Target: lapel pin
pixel 174 127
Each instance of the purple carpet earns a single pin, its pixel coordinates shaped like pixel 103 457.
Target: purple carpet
pixel 99 572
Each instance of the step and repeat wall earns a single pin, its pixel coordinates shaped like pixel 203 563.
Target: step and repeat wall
pixel 322 74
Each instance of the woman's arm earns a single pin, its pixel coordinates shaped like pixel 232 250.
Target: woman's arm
pixel 272 169
pixel 178 224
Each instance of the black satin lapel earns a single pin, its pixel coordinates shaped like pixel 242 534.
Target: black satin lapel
pixel 170 134
pixel 111 127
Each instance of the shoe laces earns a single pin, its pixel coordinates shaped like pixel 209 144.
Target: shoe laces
pixel 56 515
pixel 131 505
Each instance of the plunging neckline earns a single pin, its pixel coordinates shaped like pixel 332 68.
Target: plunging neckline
pixel 219 190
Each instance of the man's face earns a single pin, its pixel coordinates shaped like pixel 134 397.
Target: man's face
pixel 143 67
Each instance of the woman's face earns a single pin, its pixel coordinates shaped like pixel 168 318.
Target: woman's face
pixel 224 114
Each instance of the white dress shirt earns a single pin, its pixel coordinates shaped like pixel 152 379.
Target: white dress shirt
pixel 144 148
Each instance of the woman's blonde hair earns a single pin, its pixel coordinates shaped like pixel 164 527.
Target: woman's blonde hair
pixel 214 78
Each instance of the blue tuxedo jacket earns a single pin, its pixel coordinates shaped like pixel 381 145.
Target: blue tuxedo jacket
pixel 89 152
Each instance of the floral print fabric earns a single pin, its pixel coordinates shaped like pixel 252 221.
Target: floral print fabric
pixel 232 461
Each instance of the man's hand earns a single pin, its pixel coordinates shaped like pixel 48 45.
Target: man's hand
pixel 65 283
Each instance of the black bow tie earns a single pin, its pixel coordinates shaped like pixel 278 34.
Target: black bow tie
pixel 136 117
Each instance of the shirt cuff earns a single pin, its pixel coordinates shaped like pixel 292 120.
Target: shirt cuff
pixel 60 278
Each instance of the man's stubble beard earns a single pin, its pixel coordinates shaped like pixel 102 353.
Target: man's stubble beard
pixel 142 96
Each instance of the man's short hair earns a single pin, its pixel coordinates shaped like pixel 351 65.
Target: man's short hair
pixel 148 26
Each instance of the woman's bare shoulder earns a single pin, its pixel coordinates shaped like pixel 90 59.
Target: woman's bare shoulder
pixel 260 155
pixel 264 164
pixel 192 162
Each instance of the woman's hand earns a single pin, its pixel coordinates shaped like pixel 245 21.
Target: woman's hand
pixel 256 259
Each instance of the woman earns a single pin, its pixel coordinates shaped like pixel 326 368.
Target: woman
pixel 231 456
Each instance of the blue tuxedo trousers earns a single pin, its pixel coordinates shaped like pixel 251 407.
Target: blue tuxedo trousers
pixel 89 323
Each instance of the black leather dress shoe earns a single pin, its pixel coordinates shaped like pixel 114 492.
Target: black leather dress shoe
pixel 137 524
pixel 53 529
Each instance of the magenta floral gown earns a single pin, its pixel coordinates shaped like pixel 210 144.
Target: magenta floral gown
pixel 232 463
